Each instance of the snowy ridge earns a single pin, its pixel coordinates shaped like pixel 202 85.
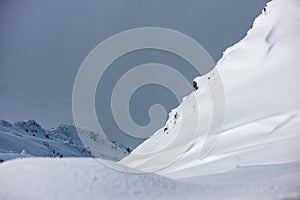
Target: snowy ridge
pixel 27 139
pixel 260 75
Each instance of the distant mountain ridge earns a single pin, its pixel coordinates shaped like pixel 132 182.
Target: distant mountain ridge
pixel 28 138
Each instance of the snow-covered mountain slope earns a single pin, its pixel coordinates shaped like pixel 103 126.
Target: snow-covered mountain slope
pixel 260 76
pixel 26 139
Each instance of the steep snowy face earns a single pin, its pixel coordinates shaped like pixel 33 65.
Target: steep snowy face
pixel 261 73
pixel 260 76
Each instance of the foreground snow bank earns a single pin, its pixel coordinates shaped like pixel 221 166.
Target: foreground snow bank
pixel 82 178
pixel 86 178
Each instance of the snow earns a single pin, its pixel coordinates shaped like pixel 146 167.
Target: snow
pixel 256 156
pixel 85 178
pixel 260 76
pixel 27 139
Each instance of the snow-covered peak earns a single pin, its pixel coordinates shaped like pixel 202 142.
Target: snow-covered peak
pixel 29 126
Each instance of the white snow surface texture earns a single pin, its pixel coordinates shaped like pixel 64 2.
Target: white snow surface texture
pixel 256 157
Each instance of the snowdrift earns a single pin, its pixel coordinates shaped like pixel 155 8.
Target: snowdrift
pixel 85 178
pixel 260 76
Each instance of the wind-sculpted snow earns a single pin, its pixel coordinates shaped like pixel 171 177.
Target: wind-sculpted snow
pixel 85 178
pixel 26 139
pixel 260 75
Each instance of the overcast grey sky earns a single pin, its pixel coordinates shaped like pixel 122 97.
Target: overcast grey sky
pixel 42 44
